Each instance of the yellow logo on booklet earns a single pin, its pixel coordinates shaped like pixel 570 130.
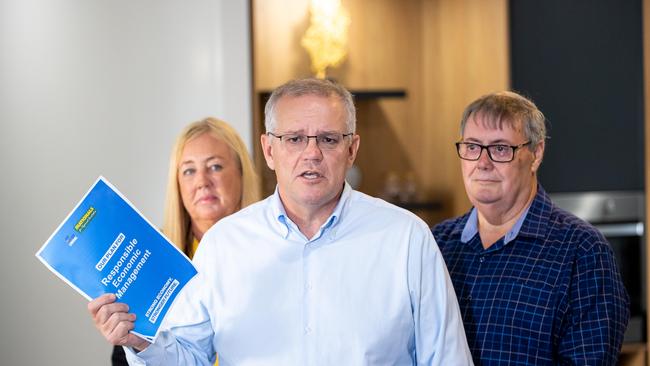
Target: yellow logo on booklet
pixel 85 219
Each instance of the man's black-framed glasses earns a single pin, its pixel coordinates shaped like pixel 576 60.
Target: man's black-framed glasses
pixel 324 141
pixel 498 153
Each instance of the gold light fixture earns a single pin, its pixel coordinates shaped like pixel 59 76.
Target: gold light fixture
pixel 326 39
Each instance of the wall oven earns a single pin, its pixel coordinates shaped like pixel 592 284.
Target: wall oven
pixel 619 215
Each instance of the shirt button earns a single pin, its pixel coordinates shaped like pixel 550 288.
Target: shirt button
pixel 307 330
pixel 308 286
pixel 481 259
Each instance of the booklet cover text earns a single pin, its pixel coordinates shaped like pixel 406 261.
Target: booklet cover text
pixel 106 246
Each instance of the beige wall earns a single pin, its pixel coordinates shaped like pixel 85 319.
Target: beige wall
pixel 90 88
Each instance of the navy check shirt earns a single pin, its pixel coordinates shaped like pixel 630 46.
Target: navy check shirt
pixel 551 295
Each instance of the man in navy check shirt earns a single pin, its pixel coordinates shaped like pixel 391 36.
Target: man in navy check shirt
pixel 535 284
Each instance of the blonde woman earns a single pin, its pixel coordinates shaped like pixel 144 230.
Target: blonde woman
pixel 210 177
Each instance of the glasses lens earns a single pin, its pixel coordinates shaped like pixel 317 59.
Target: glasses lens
pixel 294 142
pixel 500 153
pixel 469 151
pixel 329 141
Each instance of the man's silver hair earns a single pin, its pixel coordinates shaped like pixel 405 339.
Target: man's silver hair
pixel 510 108
pixel 310 86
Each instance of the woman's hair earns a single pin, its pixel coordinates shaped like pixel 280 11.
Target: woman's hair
pixel 177 222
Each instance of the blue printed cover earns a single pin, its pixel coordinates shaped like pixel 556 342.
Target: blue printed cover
pixel 106 246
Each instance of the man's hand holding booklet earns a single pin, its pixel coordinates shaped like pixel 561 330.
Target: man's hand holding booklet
pixel 106 246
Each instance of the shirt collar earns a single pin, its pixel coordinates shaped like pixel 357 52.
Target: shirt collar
pixel 539 215
pixel 471 226
pixel 287 226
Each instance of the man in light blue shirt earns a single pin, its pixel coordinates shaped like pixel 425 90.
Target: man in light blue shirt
pixel 317 273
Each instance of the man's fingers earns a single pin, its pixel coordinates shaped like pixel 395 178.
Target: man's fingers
pixel 104 313
pixel 129 340
pixel 96 304
pixel 111 318
pixel 114 321
pixel 119 333
pixel 119 319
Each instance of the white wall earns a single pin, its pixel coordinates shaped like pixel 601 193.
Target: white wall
pixel 90 87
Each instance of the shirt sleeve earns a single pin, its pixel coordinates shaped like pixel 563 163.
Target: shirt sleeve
pixel 598 310
pixel 187 338
pixel 176 347
pixel 439 333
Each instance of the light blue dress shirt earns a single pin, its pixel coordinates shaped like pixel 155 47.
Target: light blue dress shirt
pixel 370 288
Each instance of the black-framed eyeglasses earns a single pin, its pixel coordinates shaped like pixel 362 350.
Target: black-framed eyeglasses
pixel 297 142
pixel 498 153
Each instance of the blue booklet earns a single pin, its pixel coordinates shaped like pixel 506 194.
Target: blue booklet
pixel 106 246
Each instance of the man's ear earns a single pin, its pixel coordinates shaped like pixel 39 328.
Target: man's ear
pixel 267 149
pixel 538 154
pixel 353 149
